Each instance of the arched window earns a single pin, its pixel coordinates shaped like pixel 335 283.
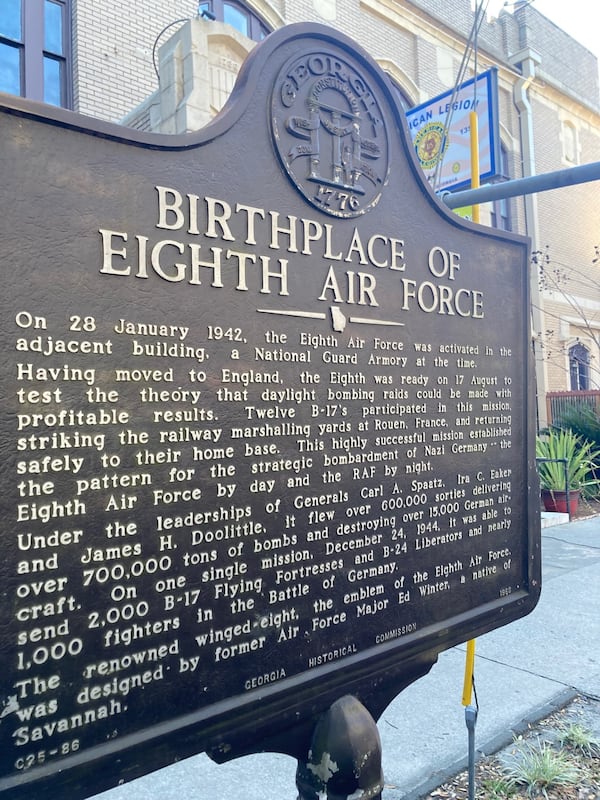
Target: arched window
pixel 569 142
pixel 579 367
pixel 236 14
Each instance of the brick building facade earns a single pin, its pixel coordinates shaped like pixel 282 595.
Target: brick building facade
pixel 114 51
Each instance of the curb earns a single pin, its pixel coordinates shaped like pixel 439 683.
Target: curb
pixel 494 745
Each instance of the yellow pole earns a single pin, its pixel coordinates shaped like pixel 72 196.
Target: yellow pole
pixel 469 668
pixel 474 139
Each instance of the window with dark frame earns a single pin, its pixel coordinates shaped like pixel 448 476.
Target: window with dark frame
pixel 35 50
pixel 238 15
pixel 579 367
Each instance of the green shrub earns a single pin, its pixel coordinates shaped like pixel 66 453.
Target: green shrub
pixel 561 444
pixel 579 738
pixel 538 767
pixel 583 421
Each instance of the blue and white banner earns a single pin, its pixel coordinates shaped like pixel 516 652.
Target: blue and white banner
pixel 440 130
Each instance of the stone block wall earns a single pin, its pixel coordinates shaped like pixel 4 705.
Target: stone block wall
pixel 112 52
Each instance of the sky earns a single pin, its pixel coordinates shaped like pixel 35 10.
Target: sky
pixel 579 18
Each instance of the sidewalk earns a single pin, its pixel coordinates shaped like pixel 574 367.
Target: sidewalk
pixel 522 672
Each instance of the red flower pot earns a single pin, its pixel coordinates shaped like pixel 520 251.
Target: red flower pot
pixel 557 501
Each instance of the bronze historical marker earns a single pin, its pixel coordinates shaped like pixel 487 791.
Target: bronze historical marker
pixel 267 424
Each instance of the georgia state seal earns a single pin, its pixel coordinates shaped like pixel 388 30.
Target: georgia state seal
pixel 329 133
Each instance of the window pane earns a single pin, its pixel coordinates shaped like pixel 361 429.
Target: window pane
pixel 53 27
pixel 236 18
pixel 579 359
pixel 53 81
pixel 10 69
pixel 10 19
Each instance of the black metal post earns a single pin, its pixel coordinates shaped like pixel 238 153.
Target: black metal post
pixel 471 721
pixel 344 760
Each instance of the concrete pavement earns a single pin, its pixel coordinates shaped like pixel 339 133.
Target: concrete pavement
pixel 522 672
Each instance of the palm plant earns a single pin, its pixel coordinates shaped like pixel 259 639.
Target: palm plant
pixel 555 447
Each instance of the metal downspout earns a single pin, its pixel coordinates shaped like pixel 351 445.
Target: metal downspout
pixel 523 105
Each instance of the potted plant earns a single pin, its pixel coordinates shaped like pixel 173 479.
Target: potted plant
pixel 562 455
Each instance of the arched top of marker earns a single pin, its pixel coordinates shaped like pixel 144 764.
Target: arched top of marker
pixel 330 115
